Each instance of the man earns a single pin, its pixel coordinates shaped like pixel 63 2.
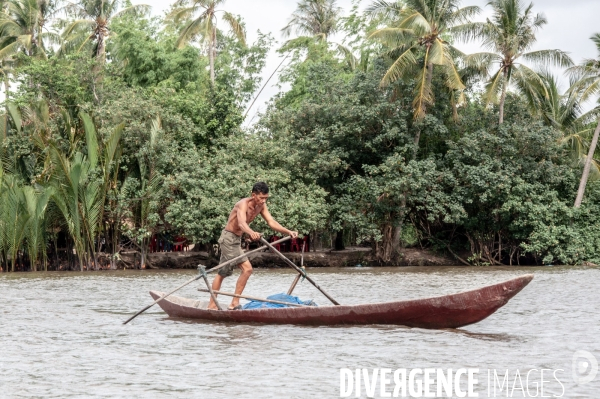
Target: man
pixel 240 217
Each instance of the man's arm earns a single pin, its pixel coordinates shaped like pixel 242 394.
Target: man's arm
pixel 244 226
pixel 274 225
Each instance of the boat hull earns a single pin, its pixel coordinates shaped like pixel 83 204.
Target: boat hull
pixel 449 311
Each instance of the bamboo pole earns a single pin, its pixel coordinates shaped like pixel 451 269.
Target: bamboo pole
pixel 254 298
pixel 161 298
pixel 202 270
pixel 299 274
pixel 289 262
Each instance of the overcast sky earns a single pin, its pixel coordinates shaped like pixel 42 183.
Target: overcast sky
pixel 570 25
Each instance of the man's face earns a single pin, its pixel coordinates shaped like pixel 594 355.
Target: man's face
pixel 260 198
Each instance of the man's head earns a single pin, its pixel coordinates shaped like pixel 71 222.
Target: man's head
pixel 260 192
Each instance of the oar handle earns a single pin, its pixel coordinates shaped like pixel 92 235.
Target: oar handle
pixel 237 258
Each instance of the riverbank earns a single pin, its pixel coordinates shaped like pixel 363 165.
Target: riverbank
pixel 350 257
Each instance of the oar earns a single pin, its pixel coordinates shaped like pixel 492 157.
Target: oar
pixel 289 262
pixel 254 298
pixel 161 298
pixel 299 274
pixel 202 271
pixel 214 269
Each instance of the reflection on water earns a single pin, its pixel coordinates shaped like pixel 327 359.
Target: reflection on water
pixel 63 337
pixel 485 337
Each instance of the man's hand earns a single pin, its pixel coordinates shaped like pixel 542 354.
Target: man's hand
pixel 255 236
pixel 293 234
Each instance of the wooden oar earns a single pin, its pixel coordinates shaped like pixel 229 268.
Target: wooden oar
pixel 299 274
pixel 202 271
pixel 214 269
pixel 254 298
pixel 161 298
pixel 289 262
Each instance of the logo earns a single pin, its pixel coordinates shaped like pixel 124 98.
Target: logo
pixel 585 367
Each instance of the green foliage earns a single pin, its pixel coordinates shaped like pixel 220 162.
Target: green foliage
pixel 107 154
pixel 205 185
pixel 149 56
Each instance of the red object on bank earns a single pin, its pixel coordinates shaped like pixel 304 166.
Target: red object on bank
pixel 276 246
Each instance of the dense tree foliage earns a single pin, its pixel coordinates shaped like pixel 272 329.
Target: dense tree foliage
pixel 117 127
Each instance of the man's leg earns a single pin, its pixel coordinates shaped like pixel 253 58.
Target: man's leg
pixel 246 268
pixel 216 286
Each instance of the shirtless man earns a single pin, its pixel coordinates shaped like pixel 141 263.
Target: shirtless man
pixel 240 217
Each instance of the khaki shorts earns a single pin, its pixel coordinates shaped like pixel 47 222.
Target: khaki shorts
pixel 231 247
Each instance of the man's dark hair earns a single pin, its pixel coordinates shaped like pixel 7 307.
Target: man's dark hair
pixel 260 188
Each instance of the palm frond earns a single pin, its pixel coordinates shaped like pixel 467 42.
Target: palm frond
pixel 423 93
pixel 464 15
pixel 453 78
pixel 191 30
pixel 392 35
pixel 384 9
pixel 549 57
pixel 15 115
pixel 467 32
pixel 436 53
pixel 136 10
pixel 414 21
pixel 493 87
pixel 398 68
pixel 91 138
pixel 236 27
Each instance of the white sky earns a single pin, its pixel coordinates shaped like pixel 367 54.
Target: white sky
pixel 570 25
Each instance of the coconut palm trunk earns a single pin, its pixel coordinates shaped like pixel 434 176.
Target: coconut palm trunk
pixel 6 98
pixel 502 98
pixel 101 53
pixel 212 51
pixel 586 169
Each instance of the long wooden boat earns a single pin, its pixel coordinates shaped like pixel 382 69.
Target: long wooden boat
pixel 448 311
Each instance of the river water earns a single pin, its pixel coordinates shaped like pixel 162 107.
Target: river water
pixel 62 336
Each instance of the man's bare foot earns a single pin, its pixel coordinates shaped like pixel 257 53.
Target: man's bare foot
pixel 234 306
pixel 213 307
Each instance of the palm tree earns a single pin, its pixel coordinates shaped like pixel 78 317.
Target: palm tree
pixel 22 24
pixel 14 217
pixel 65 183
pixel 510 34
pixel 588 84
pixel 415 39
pixel 35 230
pixel 316 18
pixel 564 112
pixel 151 189
pixel 95 193
pixel 314 21
pixel 92 24
pixel 204 25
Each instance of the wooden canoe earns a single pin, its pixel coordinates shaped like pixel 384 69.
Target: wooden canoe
pixel 449 311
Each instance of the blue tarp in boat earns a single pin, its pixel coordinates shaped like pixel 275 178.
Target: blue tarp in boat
pixel 278 297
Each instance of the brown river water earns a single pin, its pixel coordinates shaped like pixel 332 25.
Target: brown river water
pixel 62 336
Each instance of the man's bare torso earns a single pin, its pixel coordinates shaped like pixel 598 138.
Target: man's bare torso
pixel 251 213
